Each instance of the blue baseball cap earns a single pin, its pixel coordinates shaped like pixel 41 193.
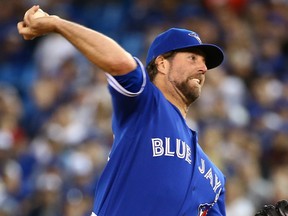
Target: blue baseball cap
pixel 176 39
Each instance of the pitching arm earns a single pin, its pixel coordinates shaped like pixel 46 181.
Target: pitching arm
pixel 95 46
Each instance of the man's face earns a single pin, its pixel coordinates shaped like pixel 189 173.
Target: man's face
pixel 186 73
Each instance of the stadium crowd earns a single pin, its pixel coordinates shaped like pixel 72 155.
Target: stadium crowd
pixel 55 111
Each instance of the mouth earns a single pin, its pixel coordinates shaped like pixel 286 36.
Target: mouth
pixel 198 81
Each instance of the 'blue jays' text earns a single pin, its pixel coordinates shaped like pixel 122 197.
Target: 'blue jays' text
pixel 164 148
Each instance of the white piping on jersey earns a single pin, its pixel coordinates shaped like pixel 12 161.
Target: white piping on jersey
pixel 93 214
pixel 114 84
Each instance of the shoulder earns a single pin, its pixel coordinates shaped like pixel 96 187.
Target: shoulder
pixel 131 84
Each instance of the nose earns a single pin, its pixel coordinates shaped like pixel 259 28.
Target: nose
pixel 203 67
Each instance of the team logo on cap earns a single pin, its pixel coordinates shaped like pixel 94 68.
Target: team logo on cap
pixel 193 34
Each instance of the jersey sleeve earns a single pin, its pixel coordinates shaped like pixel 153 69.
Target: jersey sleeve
pixel 131 84
pixel 129 94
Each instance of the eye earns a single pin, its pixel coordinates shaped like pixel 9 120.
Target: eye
pixel 192 57
pixel 196 58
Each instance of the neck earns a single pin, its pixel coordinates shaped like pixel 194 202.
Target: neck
pixel 173 95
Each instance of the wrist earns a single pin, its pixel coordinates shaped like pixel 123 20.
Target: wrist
pixel 55 23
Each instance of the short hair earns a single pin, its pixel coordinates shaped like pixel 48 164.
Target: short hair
pixel 152 67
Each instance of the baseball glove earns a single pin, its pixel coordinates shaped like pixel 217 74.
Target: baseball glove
pixel 280 209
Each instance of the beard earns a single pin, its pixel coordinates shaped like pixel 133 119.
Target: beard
pixel 191 93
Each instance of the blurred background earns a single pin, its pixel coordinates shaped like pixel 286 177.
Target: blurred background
pixel 55 110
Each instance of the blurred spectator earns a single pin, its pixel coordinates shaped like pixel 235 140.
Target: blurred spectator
pixel 55 111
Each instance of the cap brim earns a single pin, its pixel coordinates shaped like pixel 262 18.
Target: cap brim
pixel 213 54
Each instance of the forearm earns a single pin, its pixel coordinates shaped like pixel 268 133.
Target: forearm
pixel 98 48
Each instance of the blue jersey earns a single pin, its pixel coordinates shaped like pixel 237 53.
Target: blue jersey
pixel 156 166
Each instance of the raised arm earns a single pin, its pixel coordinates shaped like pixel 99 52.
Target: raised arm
pixel 98 48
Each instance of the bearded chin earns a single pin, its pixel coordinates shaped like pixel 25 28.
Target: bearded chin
pixel 190 94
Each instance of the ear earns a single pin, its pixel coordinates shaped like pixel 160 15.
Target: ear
pixel 161 64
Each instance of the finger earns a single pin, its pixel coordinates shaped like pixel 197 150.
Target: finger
pixel 25 31
pixel 282 207
pixel 20 26
pixel 28 37
pixel 31 11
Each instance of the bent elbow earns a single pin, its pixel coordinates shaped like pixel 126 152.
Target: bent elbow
pixel 121 66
